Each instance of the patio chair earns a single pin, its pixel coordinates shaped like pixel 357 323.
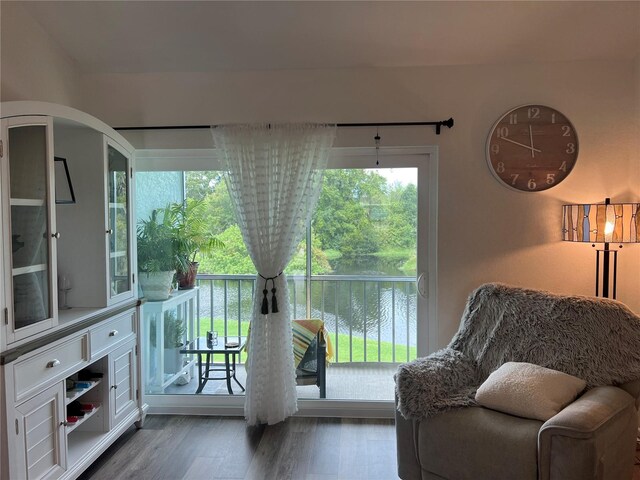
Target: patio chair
pixel 310 347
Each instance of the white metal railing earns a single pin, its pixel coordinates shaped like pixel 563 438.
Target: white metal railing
pixel 369 318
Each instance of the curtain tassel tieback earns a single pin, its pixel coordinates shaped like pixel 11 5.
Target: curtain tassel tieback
pixel 265 301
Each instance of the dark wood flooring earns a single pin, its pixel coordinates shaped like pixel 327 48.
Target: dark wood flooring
pixel 199 448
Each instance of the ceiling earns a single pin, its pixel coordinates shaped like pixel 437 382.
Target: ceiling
pixel 184 36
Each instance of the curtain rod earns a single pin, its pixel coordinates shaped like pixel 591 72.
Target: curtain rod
pixel 446 123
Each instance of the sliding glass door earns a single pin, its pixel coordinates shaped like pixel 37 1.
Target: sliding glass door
pixel 368 284
pixel 361 269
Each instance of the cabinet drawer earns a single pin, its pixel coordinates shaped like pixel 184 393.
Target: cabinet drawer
pixel 51 365
pixel 111 333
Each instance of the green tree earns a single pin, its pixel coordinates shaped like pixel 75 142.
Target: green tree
pixel 210 187
pixel 234 258
pixel 199 184
pixel 319 261
pixel 342 220
pixel 220 208
pixel 401 223
pixel 358 215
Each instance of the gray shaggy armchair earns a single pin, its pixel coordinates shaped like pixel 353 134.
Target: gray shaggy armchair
pixel 443 434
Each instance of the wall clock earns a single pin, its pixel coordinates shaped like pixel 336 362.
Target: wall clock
pixel 532 148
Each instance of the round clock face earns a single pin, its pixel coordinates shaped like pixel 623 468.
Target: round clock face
pixel 532 148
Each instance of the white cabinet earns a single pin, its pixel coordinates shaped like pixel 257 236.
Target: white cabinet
pixel 113 394
pixel 91 244
pixel 62 420
pixel 95 251
pixel 29 227
pixel 122 376
pixel 38 449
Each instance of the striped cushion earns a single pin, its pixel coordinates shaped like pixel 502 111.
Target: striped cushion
pixel 304 331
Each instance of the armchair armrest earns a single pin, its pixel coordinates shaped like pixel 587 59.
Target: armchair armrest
pixel 592 438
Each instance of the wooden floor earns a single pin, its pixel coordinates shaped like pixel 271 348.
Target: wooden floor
pixel 199 448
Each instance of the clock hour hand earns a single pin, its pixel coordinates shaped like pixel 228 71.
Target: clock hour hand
pixel 521 144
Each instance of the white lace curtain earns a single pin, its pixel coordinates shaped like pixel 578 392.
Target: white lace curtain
pixel 274 174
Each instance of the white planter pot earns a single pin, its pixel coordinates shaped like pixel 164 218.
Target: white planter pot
pixel 172 360
pixel 156 285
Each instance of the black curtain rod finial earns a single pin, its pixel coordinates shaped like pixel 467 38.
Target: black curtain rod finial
pixel 446 123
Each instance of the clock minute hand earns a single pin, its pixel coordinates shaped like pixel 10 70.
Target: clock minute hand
pixel 521 144
pixel 533 155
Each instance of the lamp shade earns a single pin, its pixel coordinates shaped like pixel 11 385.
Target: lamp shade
pixel 601 223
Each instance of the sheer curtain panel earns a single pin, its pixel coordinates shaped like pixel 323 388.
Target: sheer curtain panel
pixel 274 174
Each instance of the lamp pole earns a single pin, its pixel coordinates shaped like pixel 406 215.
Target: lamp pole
pixel 606 265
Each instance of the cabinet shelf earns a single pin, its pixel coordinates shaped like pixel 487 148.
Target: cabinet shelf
pixel 82 442
pixel 74 394
pixel 81 420
pixel 26 202
pixel 41 267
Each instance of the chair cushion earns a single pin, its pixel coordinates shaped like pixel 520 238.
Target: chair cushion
pixel 528 390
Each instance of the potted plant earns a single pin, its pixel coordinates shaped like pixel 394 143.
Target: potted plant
pixel 156 257
pixel 174 330
pixel 191 237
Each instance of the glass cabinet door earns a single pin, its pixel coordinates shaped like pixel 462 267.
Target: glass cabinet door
pixel 32 258
pixel 118 193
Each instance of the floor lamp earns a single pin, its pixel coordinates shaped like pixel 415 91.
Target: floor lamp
pixel 603 223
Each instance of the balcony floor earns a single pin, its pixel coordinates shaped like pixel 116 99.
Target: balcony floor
pixel 345 381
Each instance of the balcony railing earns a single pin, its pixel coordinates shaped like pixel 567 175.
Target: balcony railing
pixel 369 318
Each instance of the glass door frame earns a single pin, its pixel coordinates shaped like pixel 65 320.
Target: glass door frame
pixel 425 160
pixel 112 299
pixel 12 333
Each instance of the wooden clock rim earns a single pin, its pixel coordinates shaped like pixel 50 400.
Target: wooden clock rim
pixel 488 145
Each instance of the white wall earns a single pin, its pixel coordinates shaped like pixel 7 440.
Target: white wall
pixel 33 66
pixel 486 232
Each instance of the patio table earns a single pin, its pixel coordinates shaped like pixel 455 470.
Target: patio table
pixel 205 349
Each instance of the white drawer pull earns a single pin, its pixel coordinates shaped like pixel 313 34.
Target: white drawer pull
pixel 53 363
pixel 113 333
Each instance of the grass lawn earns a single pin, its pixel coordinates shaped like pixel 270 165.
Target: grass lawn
pixel 357 344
